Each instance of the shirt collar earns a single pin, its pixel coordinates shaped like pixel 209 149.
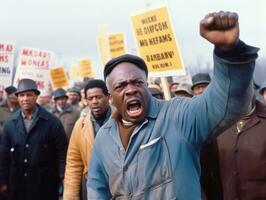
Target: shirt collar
pixel 153 107
pixel 33 115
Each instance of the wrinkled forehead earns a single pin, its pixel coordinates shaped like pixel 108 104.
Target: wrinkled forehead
pixel 125 71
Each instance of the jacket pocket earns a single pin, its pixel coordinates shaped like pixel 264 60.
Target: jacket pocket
pixel 154 166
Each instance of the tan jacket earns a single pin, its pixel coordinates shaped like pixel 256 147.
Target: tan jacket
pixel 78 155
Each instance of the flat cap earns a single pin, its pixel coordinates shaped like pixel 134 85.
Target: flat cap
pixel 138 61
pixel 10 89
pixel 184 87
pixel 200 78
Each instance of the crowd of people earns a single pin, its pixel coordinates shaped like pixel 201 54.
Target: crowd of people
pixel 118 138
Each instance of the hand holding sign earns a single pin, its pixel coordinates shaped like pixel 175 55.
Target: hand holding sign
pixel 221 29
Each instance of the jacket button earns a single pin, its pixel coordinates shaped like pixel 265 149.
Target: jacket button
pixel 25 174
pixel 25 160
pixel 27 145
pixel 125 168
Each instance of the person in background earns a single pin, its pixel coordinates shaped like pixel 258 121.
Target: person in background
pixel 208 162
pixel 83 103
pixel 240 152
pixel 150 148
pixel 74 97
pixel 183 90
pixel 82 139
pixel 156 91
pixel 44 100
pixel 32 150
pixel 67 113
pixel 262 91
pixel 200 82
pixel 9 107
pixel 1 95
pixel 172 88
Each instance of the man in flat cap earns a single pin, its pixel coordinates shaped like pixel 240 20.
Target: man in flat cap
pixel 9 107
pixel 66 113
pixel 183 90
pixel 200 82
pixel 156 91
pixel 32 150
pixel 150 148
pixel 74 97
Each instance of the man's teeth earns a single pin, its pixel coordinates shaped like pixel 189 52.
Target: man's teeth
pixel 133 102
pixel 134 111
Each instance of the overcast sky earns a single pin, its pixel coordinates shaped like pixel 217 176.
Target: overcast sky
pixel 69 27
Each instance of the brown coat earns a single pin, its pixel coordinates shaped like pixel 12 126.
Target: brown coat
pixel 242 158
pixel 78 155
pixel 68 118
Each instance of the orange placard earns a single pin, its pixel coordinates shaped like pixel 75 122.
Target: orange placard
pixel 58 77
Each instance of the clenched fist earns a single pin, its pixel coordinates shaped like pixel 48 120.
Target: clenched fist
pixel 221 29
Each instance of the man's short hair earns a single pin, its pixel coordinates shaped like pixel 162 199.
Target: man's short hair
pixel 96 83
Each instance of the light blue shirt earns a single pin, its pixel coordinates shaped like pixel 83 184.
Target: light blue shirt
pixel 162 158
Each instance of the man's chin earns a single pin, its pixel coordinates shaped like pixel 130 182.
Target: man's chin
pixel 135 120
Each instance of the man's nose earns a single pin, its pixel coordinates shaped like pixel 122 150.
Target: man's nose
pixel 131 89
pixel 94 100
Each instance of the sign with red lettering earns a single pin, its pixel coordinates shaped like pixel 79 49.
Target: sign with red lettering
pixel 34 64
pixel 6 62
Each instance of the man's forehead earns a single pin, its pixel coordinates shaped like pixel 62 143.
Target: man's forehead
pixel 95 90
pixel 126 68
pixel 27 93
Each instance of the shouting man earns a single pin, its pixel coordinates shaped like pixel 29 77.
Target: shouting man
pixel 150 149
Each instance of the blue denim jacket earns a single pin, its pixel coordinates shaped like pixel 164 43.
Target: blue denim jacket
pixel 162 158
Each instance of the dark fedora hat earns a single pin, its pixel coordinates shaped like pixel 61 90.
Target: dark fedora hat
pixel 25 85
pixel 59 93
pixel 200 78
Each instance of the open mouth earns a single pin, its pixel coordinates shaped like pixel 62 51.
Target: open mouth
pixel 134 108
pixel 96 109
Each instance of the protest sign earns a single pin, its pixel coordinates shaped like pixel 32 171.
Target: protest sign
pixel 7 52
pixel 34 64
pixel 116 45
pixel 58 77
pixel 156 42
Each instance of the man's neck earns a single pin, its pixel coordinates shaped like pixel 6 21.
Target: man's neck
pixel 101 118
pixel 29 113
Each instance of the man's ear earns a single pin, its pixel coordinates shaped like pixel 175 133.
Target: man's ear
pixel 110 98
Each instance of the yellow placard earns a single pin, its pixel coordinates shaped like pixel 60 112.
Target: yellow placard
pixel 156 42
pixel 116 45
pixel 103 47
pixel 74 72
pixel 58 77
pixel 85 69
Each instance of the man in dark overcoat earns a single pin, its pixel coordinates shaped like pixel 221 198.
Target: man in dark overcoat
pixel 33 150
